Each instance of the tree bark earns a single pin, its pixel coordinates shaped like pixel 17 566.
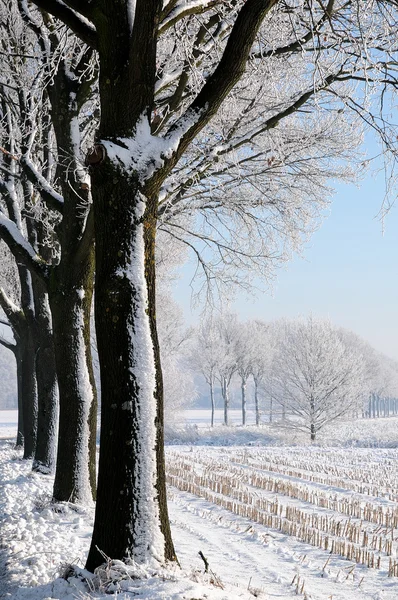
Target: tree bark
pixel 70 301
pixel 19 441
pixel 131 512
pixel 47 388
pixel 28 393
pixel 70 292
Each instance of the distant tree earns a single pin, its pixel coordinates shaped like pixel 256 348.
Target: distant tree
pixel 381 374
pixel 226 327
pixel 246 352
pixel 205 357
pixel 174 338
pixel 316 376
pixel 261 363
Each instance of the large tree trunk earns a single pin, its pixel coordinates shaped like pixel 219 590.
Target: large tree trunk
pixel 131 513
pixel 47 388
pixel 70 301
pixel 70 295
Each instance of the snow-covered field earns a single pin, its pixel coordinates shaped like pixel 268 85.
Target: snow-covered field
pixel 274 522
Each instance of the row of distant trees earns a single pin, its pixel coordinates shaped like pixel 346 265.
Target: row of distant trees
pixel 308 371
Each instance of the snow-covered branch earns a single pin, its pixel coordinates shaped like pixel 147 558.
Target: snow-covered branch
pixel 20 247
pixel 52 198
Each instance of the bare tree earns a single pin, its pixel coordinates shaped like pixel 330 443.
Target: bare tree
pixel 316 375
pixel 261 363
pixel 205 357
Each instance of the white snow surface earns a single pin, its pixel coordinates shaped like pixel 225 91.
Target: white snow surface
pixel 39 540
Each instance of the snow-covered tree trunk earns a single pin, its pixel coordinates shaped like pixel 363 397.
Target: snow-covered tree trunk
pixel 70 290
pixel 70 301
pixel 131 464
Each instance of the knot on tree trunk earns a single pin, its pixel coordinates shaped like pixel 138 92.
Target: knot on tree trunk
pixel 95 155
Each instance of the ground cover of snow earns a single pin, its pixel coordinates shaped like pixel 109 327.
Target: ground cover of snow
pixel 40 540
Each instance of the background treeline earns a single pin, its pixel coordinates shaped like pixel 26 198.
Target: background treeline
pixel 302 373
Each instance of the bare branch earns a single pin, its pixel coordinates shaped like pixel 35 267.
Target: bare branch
pixel 84 29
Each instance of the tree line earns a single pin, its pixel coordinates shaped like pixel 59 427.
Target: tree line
pixel 218 125
pixel 306 370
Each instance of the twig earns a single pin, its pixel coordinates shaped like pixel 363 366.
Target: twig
pixel 202 556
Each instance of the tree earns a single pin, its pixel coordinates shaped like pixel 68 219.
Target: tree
pixel 205 357
pixel 45 88
pixel 139 143
pixel 261 363
pixel 226 326
pixel 246 350
pixel 174 338
pixel 316 376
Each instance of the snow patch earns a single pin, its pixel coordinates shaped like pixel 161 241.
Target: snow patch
pixel 145 153
pixel 131 13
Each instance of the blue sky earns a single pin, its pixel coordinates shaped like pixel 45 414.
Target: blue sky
pixel 348 272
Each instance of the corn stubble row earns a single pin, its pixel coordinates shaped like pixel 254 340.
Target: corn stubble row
pixel 363 531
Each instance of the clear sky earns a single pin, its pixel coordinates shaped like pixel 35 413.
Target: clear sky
pixel 348 272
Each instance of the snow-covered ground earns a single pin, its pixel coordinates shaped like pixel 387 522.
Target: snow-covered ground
pixel 247 559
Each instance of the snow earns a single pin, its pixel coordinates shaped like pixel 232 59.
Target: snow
pixel 40 540
pixel 18 238
pixel 131 13
pixel 184 7
pixel 144 153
